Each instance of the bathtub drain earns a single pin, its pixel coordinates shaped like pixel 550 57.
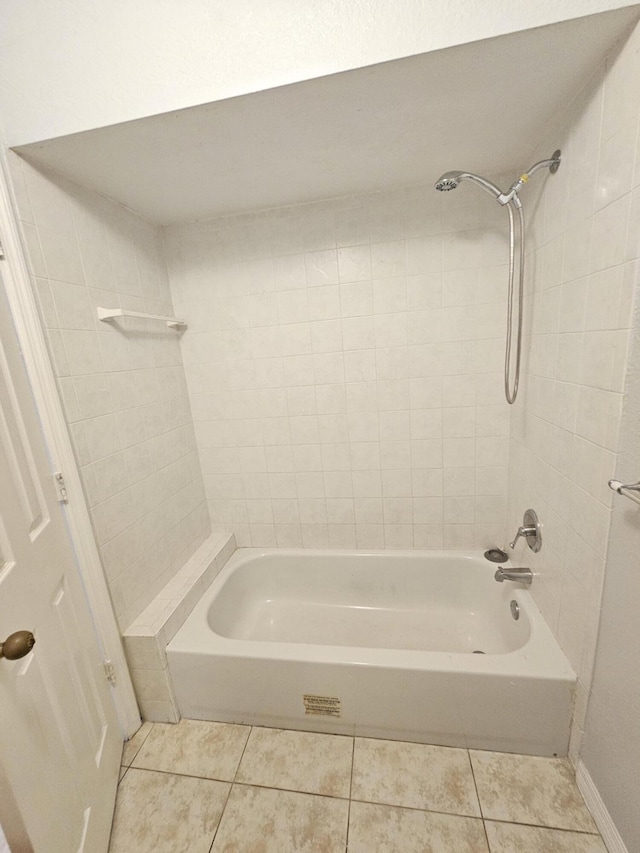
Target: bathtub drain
pixel 478 652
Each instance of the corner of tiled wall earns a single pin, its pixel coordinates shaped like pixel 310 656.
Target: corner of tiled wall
pixel 584 272
pixel 122 384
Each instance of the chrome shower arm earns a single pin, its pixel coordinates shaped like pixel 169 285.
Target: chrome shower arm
pixel 553 164
pixel 491 188
pixel 485 184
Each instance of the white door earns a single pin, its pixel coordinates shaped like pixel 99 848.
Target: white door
pixel 60 742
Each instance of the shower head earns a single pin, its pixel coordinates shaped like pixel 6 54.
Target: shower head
pixel 450 180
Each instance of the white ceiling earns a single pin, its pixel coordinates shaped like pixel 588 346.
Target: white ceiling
pixel 480 107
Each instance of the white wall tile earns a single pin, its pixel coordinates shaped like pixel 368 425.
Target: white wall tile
pixel 564 428
pixel 608 240
pixel 354 367
pixel 354 263
pixel 321 268
pixel 61 255
pixel 127 408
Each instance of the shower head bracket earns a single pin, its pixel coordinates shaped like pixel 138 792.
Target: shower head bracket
pixel 553 168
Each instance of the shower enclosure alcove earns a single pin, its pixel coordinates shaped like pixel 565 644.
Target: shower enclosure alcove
pixel 338 382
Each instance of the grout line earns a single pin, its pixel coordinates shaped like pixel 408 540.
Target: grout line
pixel 353 757
pixel 233 782
pixel 186 775
pixel 545 826
pixel 292 791
pixel 353 753
pixel 475 785
pixel 416 809
pixel 244 749
pixel 144 740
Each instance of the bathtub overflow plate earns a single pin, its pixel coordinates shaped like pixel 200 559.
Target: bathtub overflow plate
pixel 515 609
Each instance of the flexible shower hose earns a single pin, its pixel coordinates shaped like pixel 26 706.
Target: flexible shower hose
pixel 512 393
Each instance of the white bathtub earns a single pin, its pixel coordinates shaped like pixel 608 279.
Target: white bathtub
pixel 378 644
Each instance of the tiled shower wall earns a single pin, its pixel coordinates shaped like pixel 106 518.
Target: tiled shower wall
pixel 344 367
pixel 584 263
pixel 122 384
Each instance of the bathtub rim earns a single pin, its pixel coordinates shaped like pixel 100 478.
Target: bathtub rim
pixel 540 656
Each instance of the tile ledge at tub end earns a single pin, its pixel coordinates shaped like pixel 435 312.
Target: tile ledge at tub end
pixel 203 566
pixel 145 640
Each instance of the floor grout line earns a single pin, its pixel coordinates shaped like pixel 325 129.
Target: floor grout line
pixel 186 775
pixel 233 782
pixel 144 740
pixel 244 749
pixel 353 755
pixel 542 826
pixel 416 809
pixel 293 791
pixel 475 783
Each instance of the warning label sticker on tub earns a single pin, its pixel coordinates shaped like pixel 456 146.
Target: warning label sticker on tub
pixel 321 706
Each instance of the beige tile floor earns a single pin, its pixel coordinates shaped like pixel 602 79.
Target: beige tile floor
pixel 216 788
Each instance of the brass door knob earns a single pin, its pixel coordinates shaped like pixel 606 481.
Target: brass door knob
pixel 17 645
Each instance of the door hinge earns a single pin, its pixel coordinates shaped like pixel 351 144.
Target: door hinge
pixel 110 672
pixel 63 497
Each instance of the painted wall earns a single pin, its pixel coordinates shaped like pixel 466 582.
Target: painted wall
pixel 122 386
pixel 611 751
pixel 115 61
pixel 565 426
pixel 344 365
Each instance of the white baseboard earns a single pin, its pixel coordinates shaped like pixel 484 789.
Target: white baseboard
pixel 596 806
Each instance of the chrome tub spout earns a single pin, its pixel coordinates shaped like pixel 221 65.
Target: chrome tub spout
pixel 519 575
